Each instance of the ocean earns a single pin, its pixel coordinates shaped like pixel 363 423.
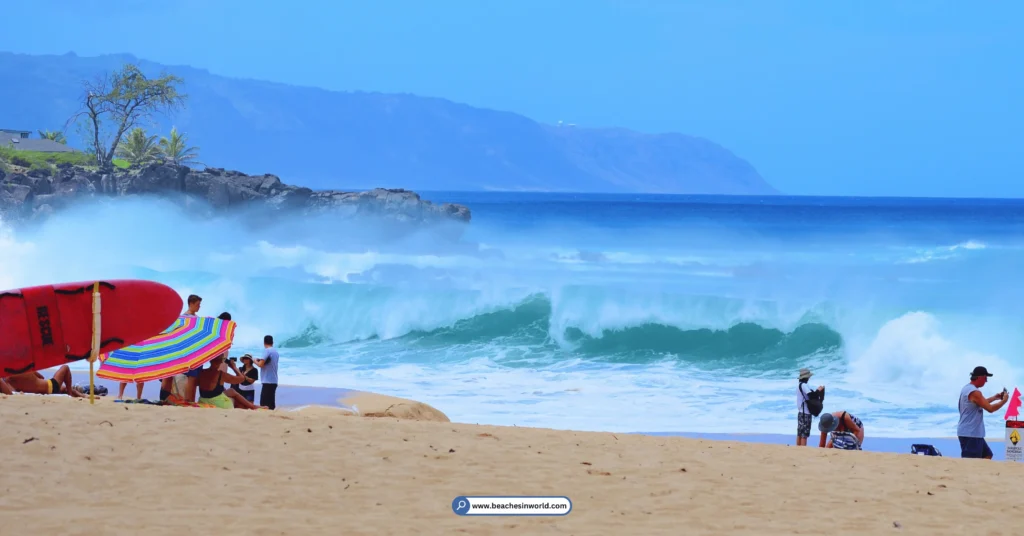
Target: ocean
pixel 624 313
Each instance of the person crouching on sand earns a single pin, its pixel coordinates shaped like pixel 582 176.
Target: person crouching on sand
pixel 847 431
pixel 34 382
pixel 803 415
pixel 211 385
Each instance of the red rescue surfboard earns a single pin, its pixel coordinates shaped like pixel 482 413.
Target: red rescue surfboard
pixel 51 325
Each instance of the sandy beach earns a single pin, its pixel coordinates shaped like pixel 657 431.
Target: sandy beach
pixel 111 468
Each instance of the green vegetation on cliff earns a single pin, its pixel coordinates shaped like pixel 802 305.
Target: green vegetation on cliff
pixel 37 160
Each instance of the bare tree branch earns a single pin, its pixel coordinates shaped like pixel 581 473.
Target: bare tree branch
pixel 124 99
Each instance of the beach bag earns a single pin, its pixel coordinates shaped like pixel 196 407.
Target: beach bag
pixel 845 441
pixel 98 390
pixel 924 450
pixel 815 401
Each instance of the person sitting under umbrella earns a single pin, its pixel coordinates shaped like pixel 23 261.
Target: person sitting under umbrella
pixel 211 385
pixel 34 382
pixel 847 431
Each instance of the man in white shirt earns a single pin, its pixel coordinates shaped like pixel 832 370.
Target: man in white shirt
pixel 268 367
pixel 803 416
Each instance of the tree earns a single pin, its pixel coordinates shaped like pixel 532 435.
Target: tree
pixel 56 136
pixel 138 148
pixel 176 149
pixel 118 102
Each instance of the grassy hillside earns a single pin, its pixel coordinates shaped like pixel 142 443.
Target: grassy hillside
pixel 37 160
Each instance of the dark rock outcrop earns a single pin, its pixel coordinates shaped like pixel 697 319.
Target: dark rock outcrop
pixel 26 196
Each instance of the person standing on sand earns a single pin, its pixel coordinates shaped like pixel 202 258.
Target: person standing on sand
pixel 971 428
pixel 138 390
pixel 268 365
pixel 167 384
pixel 803 415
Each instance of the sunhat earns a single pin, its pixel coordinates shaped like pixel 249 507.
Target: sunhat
pixel 827 423
pixel 980 371
pixel 805 373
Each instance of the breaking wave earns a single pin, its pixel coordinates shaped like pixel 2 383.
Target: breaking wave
pixel 582 319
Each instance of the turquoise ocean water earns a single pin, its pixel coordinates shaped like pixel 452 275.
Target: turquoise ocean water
pixel 597 312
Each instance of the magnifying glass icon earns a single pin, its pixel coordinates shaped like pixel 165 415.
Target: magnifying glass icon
pixel 460 505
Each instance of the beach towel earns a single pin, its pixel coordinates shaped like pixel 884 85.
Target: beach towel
pixel 139 401
pixel 175 400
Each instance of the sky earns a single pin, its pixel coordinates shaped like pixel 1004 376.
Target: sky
pixel 877 98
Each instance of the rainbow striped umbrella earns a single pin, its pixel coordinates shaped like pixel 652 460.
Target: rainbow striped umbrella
pixel 188 344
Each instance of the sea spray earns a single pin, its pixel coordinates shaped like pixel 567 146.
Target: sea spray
pixel 680 314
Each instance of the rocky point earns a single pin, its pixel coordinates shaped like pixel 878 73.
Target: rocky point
pixel 36 193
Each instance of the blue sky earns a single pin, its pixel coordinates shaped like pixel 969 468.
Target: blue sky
pixel 823 98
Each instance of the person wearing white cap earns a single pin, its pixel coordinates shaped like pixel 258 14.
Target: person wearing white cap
pixel 804 414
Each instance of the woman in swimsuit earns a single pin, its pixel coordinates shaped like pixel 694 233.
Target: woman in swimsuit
pixel 847 431
pixel 211 385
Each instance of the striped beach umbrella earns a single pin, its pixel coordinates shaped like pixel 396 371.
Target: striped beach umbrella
pixel 188 344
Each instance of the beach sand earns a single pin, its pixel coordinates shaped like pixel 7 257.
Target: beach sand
pixel 108 468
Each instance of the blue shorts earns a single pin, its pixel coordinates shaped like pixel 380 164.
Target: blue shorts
pixel 194 373
pixel 974 447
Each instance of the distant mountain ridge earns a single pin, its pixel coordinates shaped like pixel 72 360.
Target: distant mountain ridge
pixel 332 139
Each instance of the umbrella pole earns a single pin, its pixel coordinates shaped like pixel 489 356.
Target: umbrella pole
pixel 95 339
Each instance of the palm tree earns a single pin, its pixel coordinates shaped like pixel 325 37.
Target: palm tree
pixel 176 149
pixel 53 135
pixel 137 148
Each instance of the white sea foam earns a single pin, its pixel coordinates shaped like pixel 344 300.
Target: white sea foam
pixel 409 316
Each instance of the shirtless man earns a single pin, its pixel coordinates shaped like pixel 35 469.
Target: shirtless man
pixel 167 384
pixel 34 382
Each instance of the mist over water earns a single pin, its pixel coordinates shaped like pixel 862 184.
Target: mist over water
pixel 621 313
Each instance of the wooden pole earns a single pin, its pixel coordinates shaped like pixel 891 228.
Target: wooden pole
pixel 95 340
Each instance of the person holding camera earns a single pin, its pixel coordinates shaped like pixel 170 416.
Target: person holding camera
pixel 250 375
pixel 211 385
pixel 809 404
pixel 971 427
